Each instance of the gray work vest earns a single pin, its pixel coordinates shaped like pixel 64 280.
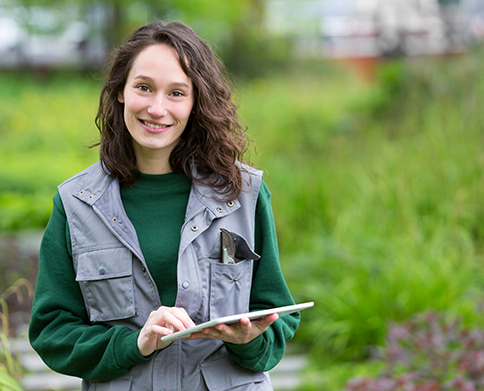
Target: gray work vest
pixel 118 289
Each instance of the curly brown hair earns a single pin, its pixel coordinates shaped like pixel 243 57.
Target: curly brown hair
pixel 214 138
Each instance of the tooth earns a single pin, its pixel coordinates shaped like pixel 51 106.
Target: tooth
pixel 154 126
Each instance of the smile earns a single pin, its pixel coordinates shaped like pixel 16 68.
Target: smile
pixel 154 126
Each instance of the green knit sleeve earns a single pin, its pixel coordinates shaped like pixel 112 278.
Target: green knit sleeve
pixel 269 290
pixel 59 329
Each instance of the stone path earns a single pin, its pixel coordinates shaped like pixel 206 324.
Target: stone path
pixel 285 377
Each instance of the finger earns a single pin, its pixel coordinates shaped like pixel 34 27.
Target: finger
pixel 242 328
pixel 269 319
pixel 192 336
pixel 266 321
pixel 161 330
pixel 211 332
pixel 182 314
pixel 198 335
pixel 171 320
pixel 245 323
pixel 168 314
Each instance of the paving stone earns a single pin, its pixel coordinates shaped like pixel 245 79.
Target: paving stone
pixel 287 375
pixel 50 381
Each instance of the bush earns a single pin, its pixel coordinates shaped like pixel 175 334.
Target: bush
pixel 393 214
pixel 431 352
pixel 46 124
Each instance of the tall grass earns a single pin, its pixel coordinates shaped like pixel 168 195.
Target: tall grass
pixel 10 369
pixel 379 200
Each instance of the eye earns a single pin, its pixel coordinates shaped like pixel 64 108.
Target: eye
pixel 143 88
pixel 177 94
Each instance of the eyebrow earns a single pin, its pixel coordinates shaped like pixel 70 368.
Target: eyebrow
pixel 173 85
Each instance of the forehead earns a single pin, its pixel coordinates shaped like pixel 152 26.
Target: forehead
pixel 158 61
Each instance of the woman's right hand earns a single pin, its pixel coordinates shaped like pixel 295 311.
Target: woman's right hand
pixel 163 321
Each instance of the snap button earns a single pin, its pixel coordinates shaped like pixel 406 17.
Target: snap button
pixel 230 203
pixel 102 271
pixel 235 279
pixel 81 192
pixel 219 209
pixel 115 219
pixel 91 197
pixel 185 285
pixel 195 228
pixel 143 269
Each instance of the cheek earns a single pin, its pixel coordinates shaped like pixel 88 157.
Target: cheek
pixel 132 104
pixel 185 112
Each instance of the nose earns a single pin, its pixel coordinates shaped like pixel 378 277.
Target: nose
pixel 158 106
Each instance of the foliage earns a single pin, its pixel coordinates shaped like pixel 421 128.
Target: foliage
pixel 334 376
pixel 18 262
pixel 430 352
pixel 10 370
pixel 46 124
pixel 387 220
pixel 7 383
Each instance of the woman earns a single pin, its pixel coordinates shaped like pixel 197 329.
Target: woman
pixel 133 251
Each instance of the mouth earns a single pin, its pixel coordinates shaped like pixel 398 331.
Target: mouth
pixel 153 125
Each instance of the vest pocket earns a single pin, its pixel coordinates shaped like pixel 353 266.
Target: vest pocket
pixel 106 280
pixel 230 286
pixel 119 384
pixel 225 374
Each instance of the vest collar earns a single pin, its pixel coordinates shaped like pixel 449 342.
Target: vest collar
pixel 94 181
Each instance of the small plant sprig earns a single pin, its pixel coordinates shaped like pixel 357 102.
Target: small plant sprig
pixel 432 351
pixel 10 369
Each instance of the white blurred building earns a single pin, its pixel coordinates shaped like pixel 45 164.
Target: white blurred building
pixel 371 28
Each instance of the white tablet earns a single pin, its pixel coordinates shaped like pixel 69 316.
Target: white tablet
pixel 282 311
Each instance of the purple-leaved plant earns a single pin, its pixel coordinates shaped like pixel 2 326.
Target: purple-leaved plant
pixel 429 352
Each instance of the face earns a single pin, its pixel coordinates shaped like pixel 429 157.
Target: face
pixel 158 99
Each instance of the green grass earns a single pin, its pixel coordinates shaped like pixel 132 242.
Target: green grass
pixel 45 128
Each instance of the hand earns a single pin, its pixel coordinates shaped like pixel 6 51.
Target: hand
pixel 238 333
pixel 163 321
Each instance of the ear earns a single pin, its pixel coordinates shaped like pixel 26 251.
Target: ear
pixel 120 97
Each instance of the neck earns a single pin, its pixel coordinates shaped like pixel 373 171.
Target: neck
pixel 153 162
pixel 154 168
pixel 153 165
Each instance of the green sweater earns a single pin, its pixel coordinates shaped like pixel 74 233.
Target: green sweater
pixel 60 330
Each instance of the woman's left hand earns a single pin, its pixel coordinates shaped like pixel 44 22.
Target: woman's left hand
pixel 237 333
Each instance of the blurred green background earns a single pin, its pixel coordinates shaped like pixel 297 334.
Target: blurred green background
pixel 375 160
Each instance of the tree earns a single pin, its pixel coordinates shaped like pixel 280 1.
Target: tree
pixel 233 27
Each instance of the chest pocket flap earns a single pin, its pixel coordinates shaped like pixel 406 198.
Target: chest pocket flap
pixel 106 280
pixel 224 374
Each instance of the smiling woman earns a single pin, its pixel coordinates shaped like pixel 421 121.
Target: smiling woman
pixel 133 249
pixel 158 100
